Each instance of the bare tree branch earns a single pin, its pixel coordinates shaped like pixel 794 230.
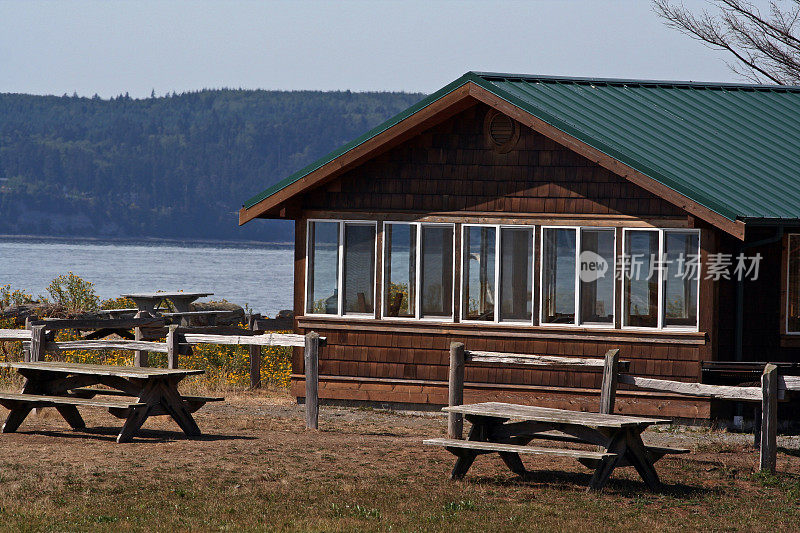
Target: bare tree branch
pixel 766 46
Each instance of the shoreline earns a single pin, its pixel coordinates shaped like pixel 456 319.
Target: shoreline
pixel 143 240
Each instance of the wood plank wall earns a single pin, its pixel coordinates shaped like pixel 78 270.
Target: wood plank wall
pixel 452 168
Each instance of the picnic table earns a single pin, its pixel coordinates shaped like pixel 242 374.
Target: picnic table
pixel 507 429
pixel 136 393
pixel 146 302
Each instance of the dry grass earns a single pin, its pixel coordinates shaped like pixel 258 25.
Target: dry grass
pixel 257 468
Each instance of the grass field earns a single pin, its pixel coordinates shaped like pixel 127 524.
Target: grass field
pixel 258 469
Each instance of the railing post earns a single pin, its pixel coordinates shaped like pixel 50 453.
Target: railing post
pixel 608 390
pixel 769 418
pixel 38 341
pixel 455 391
pixel 311 356
pixel 172 347
pixel 255 356
pixel 140 357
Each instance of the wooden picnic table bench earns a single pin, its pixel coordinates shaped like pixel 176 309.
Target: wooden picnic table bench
pixel 67 386
pixel 508 428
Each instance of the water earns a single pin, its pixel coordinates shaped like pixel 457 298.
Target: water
pixel 259 275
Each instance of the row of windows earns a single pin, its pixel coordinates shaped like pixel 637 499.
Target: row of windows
pixel 576 277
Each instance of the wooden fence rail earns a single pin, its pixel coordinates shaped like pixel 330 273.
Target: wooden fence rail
pixel 15 334
pixel 773 388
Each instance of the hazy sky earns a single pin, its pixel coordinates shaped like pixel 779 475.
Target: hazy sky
pixel 110 47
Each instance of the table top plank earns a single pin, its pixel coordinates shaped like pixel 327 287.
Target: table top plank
pixel 167 295
pixel 557 416
pixel 101 370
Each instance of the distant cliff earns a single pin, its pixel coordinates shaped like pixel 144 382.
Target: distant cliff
pixel 177 166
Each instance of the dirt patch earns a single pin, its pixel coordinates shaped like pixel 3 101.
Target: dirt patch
pixel 258 468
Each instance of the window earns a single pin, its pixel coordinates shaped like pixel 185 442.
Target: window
pixel 577 276
pixel 400 270
pixel 641 279
pixel 597 276
pixel 661 278
pixel 482 274
pixel 323 268
pixel 418 270
pixel 340 247
pixel 359 268
pixel 479 273
pixel 681 273
pixel 793 289
pixel 516 274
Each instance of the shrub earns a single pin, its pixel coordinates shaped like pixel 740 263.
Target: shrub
pixel 118 303
pixel 73 293
pixel 15 297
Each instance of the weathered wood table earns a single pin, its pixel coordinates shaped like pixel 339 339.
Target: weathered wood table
pixel 65 386
pixel 508 428
pixel 147 301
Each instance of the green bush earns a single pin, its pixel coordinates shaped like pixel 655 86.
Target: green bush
pixel 73 293
pixel 15 297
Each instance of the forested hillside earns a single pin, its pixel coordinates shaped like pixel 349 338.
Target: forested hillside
pixel 178 166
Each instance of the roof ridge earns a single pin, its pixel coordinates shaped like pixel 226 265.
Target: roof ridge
pixel 490 76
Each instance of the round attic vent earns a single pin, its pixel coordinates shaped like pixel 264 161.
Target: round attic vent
pixel 502 131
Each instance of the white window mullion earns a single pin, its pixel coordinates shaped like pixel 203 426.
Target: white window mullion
pixel 498 259
pixel 340 281
pixel 418 267
pixel 534 288
pixel 577 275
pixel 660 279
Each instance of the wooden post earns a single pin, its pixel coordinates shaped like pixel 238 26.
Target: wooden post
pixel 311 354
pixel 455 391
pixel 139 356
pixel 255 356
pixel 769 418
pixel 172 347
pixel 37 344
pixel 608 390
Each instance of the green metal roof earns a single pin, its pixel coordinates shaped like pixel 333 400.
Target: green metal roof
pixel 733 148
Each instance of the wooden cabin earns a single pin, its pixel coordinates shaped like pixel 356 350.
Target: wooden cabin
pixel 503 211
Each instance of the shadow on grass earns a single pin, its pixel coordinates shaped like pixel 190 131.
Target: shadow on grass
pixel 144 435
pixel 789 451
pixel 580 481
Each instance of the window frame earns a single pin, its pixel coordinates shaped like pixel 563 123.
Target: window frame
pixel 661 279
pixel 576 323
pixel 787 272
pixel 418 273
pixel 340 265
pixel 497 270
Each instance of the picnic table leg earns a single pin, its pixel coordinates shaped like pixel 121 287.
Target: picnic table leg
pixel 15 418
pixel 602 473
pixel 478 432
pixel 637 454
pixel 514 462
pixel 149 395
pixel 72 416
pixel 173 404
pixel 68 412
pixel 464 461
pixel 133 423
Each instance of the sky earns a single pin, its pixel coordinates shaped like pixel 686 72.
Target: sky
pixel 113 47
